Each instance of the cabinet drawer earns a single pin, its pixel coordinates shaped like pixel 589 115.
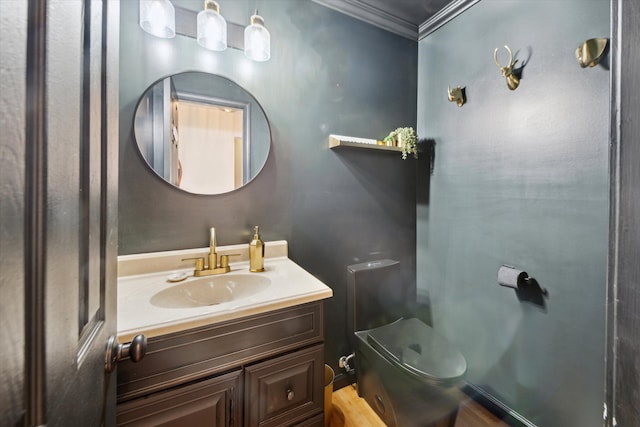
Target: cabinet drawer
pixel 285 390
pixel 182 357
pixel 212 403
pixel 317 421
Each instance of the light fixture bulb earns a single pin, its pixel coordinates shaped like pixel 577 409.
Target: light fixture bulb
pixel 257 40
pixel 158 17
pixel 212 27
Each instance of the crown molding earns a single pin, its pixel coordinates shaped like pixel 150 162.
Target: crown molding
pixel 445 15
pixel 374 16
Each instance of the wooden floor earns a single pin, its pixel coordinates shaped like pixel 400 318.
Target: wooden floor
pixel 350 410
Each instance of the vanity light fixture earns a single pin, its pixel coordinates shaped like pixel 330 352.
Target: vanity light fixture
pixel 158 17
pixel 257 40
pixel 212 27
pixel 213 32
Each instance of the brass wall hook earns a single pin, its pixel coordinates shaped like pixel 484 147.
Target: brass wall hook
pixel 512 79
pixel 457 95
pixel 591 52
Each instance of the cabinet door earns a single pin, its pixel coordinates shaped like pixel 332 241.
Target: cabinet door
pixel 214 402
pixel 285 390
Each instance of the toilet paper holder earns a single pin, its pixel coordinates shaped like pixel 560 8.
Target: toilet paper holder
pixel 511 277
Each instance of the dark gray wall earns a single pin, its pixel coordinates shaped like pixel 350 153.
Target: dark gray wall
pixel 519 178
pixel 328 74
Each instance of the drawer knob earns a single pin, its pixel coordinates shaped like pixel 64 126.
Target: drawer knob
pixel 290 395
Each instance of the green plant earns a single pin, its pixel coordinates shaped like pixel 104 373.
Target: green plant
pixel 406 139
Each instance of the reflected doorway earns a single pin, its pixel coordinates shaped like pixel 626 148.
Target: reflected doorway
pixel 207 150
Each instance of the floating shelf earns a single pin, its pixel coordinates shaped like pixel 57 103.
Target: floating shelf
pixel 349 141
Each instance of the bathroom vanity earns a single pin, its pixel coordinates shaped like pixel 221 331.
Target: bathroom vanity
pixel 252 359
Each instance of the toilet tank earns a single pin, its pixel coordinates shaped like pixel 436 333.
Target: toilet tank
pixel 376 295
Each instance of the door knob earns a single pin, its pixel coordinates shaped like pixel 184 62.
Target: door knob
pixel 134 350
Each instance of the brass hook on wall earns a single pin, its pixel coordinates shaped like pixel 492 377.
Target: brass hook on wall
pixel 512 80
pixel 457 95
pixel 591 52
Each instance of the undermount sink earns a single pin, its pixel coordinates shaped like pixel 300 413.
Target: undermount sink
pixel 211 290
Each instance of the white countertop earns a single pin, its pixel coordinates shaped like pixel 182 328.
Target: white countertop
pixel 290 285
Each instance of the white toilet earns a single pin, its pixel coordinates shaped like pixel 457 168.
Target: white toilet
pixel 407 373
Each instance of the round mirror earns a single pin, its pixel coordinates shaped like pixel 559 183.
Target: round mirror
pixel 202 133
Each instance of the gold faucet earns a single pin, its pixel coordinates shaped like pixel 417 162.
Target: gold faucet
pixel 212 259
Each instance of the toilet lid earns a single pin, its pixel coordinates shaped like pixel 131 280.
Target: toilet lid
pixel 417 348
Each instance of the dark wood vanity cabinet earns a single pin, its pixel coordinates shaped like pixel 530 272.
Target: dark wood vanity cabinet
pixel 263 370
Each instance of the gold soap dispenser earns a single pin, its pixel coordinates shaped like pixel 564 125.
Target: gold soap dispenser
pixel 256 252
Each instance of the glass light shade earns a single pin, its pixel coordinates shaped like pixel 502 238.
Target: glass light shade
pixel 158 17
pixel 257 40
pixel 212 29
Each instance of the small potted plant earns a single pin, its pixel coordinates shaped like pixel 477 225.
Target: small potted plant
pixel 404 138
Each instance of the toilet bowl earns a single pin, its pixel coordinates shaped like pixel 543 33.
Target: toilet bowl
pixel 407 373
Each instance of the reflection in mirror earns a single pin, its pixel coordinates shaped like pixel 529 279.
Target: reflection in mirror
pixel 202 133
